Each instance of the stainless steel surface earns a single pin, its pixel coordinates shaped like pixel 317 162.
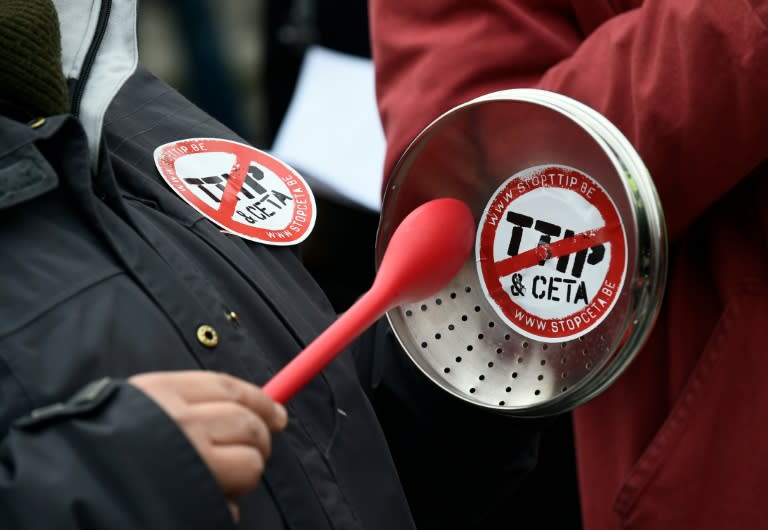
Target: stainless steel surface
pixel 457 338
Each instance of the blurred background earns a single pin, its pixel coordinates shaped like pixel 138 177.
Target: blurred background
pixel 239 60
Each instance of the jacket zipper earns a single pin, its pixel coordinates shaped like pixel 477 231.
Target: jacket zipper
pixel 90 57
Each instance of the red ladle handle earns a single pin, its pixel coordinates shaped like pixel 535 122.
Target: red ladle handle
pixel 426 251
pixel 350 325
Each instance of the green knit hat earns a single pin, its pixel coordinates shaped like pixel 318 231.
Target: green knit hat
pixel 31 77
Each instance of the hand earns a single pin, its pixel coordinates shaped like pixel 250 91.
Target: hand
pixel 227 420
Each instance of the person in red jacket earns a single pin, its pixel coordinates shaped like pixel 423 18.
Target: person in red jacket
pixel 677 441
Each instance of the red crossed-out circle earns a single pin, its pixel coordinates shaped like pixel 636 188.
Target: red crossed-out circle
pixel 491 271
pixel 302 217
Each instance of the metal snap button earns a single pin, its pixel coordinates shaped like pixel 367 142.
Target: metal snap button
pixel 36 123
pixel 207 336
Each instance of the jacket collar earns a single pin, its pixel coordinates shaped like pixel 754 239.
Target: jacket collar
pixel 99 54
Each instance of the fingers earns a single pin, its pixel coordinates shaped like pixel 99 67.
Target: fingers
pixel 228 421
pixel 196 386
pixel 233 389
pixel 233 441
pixel 231 423
pixel 238 468
pixel 234 510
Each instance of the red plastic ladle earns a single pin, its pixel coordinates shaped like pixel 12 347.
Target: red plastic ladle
pixel 425 252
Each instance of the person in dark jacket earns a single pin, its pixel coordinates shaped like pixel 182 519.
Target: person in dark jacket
pixel 134 330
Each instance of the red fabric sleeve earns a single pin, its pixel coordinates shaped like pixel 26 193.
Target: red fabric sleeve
pixel 685 80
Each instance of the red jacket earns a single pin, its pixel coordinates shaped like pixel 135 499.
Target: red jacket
pixel 681 440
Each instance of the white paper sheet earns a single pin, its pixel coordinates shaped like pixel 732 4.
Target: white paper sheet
pixel 331 133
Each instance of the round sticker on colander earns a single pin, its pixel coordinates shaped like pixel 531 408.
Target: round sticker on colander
pixel 551 253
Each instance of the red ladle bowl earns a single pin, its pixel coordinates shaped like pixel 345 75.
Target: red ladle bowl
pixel 425 252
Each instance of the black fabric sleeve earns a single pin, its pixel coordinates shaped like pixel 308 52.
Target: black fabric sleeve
pixel 109 458
pixel 458 463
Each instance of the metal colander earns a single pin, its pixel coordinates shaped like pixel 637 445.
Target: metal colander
pixel 458 337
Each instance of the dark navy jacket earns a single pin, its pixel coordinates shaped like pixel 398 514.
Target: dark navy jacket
pixel 107 273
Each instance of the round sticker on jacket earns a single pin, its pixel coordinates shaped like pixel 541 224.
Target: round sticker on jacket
pixel 551 253
pixel 243 190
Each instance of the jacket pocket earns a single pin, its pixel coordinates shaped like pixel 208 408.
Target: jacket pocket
pixel 108 328
pixel 707 467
